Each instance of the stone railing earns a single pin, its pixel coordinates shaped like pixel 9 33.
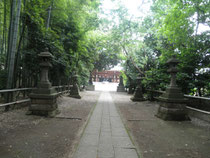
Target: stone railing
pixel 15 94
pixel 62 89
pixel 20 96
pixel 201 103
pixel 198 107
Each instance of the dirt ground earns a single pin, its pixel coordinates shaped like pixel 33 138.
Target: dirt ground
pixel 156 138
pixel 23 136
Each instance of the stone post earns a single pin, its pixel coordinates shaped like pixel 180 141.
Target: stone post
pixel 120 87
pixel 44 97
pixel 90 86
pixel 138 95
pixel 74 91
pixel 172 102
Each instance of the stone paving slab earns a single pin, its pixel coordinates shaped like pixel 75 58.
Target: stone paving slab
pixel 86 152
pixel 125 153
pixel 105 135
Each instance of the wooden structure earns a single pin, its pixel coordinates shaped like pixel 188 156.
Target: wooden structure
pixel 107 75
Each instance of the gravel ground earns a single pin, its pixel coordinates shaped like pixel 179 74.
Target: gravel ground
pixel 156 138
pixel 23 136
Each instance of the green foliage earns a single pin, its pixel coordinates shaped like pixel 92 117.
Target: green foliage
pixel 177 23
pixel 125 78
pixel 81 41
pixel 72 23
pixel 108 53
pixel 172 28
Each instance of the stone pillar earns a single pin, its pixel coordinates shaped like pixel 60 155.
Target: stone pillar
pixel 90 86
pixel 138 95
pixel 172 102
pixel 74 91
pixel 120 87
pixel 44 97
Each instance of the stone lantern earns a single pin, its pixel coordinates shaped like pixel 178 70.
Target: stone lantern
pixel 172 102
pixel 74 91
pixel 120 87
pixel 43 98
pixel 90 80
pixel 90 86
pixel 130 86
pixel 138 95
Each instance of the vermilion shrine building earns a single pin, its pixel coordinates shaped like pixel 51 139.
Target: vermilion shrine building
pixel 107 75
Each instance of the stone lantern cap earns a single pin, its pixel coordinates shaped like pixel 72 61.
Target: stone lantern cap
pixel 45 58
pixel 138 78
pixel 75 76
pixel 173 60
pixel 45 54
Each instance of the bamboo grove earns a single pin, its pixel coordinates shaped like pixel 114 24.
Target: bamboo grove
pixel 65 27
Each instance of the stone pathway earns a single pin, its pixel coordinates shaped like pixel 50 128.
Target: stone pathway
pixel 105 135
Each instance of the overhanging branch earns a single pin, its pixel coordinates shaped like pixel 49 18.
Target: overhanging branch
pixel 133 62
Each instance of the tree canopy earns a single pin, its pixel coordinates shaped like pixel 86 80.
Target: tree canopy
pixel 68 28
pixel 83 37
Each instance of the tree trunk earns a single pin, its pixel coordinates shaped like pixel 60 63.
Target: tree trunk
pixel 11 32
pixel 12 44
pixel 5 26
pixel 12 50
pixel 48 18
pixel 4 29
pixel 18 56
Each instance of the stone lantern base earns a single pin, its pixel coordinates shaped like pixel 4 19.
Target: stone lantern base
pixel 138 96
pixel 172 105
pixel 120 88
pixel 134 99
pixel 43 104
pixel 172 110
pixel 90 88
pixel 74 92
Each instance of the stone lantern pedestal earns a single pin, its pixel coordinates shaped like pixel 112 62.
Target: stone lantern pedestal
pixel 138 95
pixel 74 91
pixel 44 97
pixel 172 102
pixel 120 87
pixel 90 86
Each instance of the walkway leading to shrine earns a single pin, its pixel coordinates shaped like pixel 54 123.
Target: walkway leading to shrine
pixel 105 135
